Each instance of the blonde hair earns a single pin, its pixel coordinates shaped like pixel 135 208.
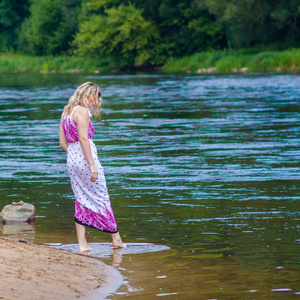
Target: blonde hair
pixel 81 97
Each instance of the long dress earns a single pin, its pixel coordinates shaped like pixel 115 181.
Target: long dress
pixel 92 202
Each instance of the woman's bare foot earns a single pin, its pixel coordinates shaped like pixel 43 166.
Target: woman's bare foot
pixel 117 241
pixel 83 249
pixel 82 243
pixel 121 245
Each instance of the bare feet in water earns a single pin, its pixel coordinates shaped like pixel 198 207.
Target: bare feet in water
pixel 83 246
pixel 121 245
pixel 84 249
pixel 117 241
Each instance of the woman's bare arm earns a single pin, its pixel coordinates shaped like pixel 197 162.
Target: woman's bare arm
pixel 62 138
pixel 82 119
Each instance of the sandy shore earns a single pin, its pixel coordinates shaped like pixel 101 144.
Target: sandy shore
pixel 30 271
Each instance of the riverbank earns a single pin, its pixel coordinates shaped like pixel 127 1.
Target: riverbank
pixel 21 63
pixel 236 61
pixel 222 62
pixel 32 271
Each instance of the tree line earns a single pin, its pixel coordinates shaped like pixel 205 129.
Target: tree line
pixel 146 32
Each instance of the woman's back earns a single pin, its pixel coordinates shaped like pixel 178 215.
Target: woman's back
pixel 70 127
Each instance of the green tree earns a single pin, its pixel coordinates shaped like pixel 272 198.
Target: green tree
pixel 72 10
pixel 121 34
pixel 257 22
pixel 184 27
pixel 286 18
pixel 12 13
pixel 46 31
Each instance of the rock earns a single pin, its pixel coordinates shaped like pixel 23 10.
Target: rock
pixel 17 212
pixel 200 71
pixel 75 71
pixel 17 203
pixel 212 70
pixel 244 70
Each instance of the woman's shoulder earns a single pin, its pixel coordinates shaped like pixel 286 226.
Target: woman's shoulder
pixel 80 112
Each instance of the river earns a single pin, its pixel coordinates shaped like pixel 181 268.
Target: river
pixel 207 165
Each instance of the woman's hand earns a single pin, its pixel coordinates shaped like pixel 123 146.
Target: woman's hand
pixel 94 173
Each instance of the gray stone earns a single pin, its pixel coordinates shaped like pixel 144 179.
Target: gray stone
pixel 17 213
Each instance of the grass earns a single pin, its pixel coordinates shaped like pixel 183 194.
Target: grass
pixel 26 63
pixel 232 61
pixel 226 61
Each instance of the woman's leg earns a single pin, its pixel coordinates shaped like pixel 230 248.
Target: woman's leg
pixel 117 241
pixel 83 245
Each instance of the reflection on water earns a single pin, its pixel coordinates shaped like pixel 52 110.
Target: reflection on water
pixel 22 231
pixel 207 165
pixel 103 250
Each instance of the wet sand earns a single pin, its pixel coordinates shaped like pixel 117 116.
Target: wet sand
pixel 30 271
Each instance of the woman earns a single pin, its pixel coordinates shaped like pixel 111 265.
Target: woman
pixel 92 205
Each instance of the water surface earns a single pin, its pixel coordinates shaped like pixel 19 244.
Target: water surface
pixel 207 165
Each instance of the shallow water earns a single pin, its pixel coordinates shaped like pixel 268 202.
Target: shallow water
pixel 206 165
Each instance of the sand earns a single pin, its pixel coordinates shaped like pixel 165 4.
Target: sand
pixel 30 271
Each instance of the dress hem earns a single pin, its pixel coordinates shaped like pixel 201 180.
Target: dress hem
pixel 91 226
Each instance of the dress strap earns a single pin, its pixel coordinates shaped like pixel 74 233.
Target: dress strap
pixel 73 110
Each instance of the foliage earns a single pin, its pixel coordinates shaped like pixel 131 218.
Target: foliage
pixel 186 28
pixel 43 32
pixel 26 63
pixel 231 61
pixel 126 37
pixel 50 27
pixel 225 61
pixel 12 13
pixel 149 32
pixel 177 28
pixel 252 22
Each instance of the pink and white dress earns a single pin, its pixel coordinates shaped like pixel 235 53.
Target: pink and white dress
pixel 92 202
